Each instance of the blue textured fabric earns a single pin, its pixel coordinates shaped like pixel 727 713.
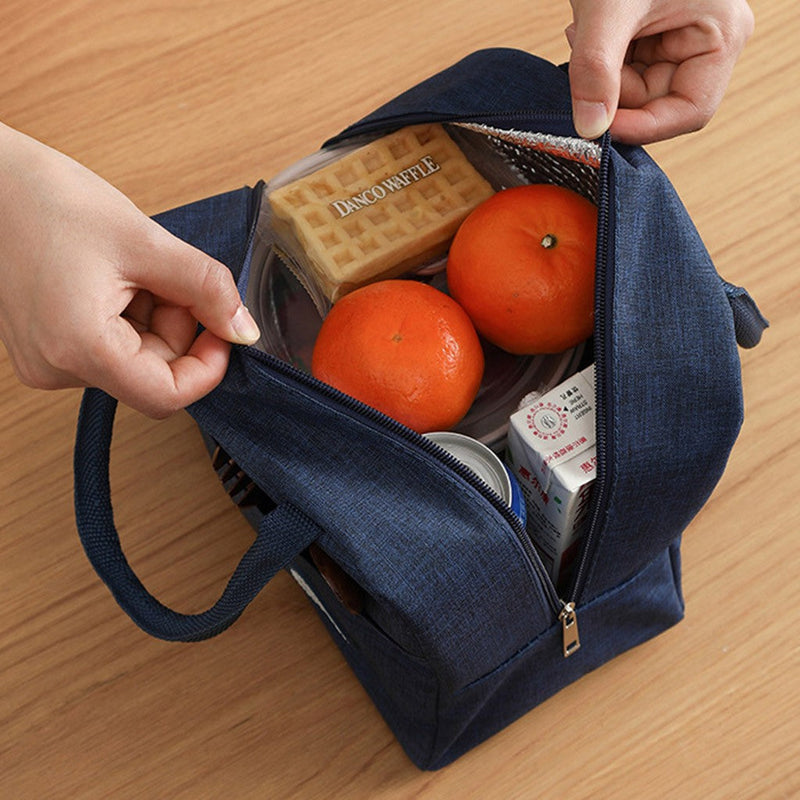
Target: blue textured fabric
pixel 497 81
pixel 435 725
pixel 671 391
pixel 459 634
pixel 748 322
pixel 408 531
pixel 219 225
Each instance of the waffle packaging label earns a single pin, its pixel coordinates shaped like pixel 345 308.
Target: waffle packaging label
pixel 551 449
pixel 424 167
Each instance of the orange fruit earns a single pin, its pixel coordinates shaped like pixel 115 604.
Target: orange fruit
pixel 404 348
pixel 522 265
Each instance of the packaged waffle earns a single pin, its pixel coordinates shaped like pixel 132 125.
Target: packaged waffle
pixel 380 211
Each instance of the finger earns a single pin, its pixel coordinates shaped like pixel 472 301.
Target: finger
pixel 659 119
pixel 185 276
pixel 158 386
pixel 682 77
pixel 695 90
pixel 599 37
pixel 140 309
pixel 641 84
pixel 170 332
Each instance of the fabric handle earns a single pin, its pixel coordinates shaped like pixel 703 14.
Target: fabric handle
pixel 283 533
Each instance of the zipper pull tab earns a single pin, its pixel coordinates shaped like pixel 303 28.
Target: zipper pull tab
pixel 569 629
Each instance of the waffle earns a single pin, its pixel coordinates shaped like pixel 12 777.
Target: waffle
pixel 380 211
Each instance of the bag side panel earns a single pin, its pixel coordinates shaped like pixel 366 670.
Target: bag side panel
pixel 428 548
pixel 434 556
pixel 404 688
pixel 671 394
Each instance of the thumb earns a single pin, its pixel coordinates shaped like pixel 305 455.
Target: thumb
pixel 188 277
pixel 599 38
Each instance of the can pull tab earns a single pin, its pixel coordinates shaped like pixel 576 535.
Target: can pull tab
pixel 569 629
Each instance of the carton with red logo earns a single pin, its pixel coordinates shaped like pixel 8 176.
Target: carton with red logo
pixel 552 453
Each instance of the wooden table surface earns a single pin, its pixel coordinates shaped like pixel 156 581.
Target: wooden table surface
pixel 174 101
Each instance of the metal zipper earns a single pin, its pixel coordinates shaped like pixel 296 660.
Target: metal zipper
pixel 568 615
pixel 564 610
pixel 603 295
pixel 389 123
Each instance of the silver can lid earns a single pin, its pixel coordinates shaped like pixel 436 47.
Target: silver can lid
pixel 478 457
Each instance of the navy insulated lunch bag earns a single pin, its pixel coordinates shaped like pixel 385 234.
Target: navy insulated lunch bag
pixel 425 578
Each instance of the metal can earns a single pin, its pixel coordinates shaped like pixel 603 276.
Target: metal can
pixel 486 464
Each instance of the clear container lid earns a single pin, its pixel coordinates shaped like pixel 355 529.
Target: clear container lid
pixel 289 306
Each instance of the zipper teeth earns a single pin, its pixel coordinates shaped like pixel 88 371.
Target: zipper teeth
pixel 600 366
pixel 385 123
pixel 429 447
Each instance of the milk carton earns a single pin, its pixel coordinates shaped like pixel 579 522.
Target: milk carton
pixel 551 450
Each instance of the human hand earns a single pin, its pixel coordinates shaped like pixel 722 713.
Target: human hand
pixel 94 293
pixel 652 69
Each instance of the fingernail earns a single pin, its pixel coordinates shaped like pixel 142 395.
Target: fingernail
pixel 244 327
pixel 591 119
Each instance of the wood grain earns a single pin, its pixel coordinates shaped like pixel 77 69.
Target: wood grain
pixel 174 101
